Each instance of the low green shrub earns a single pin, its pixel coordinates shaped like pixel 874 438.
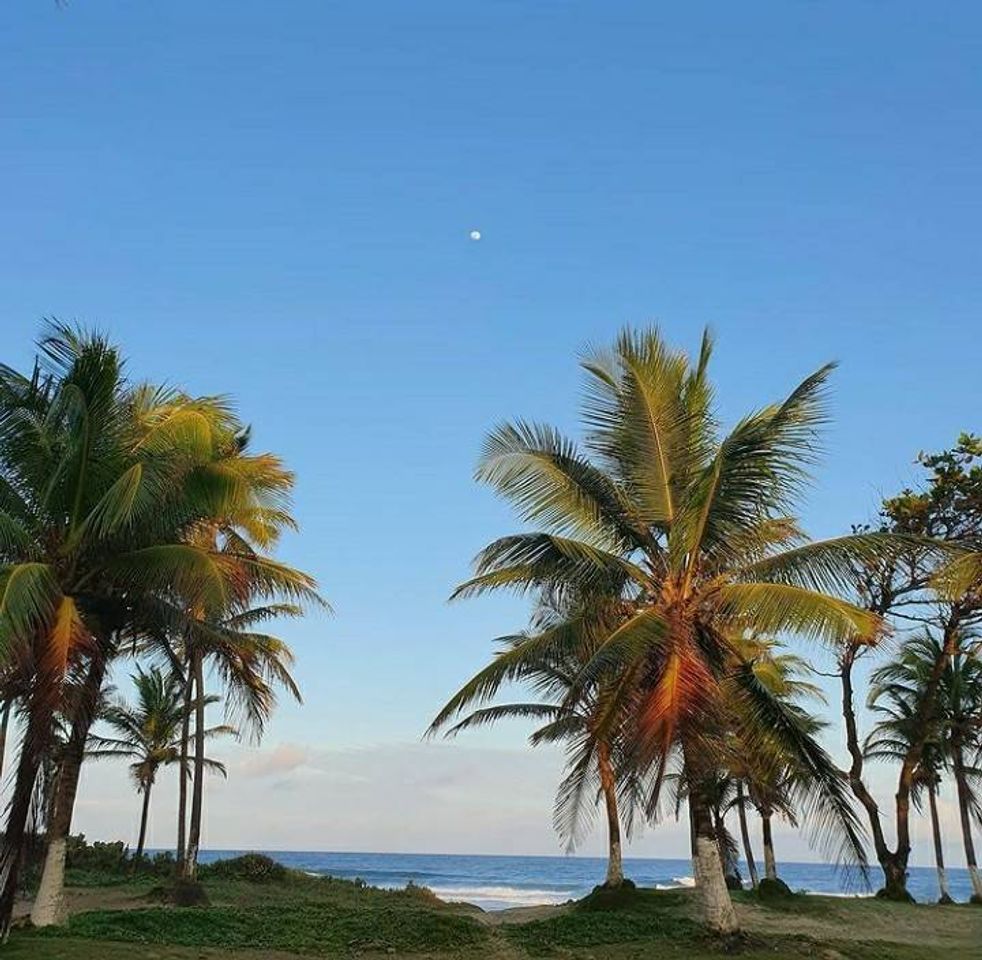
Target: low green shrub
pixel 775 889
pixel 256 867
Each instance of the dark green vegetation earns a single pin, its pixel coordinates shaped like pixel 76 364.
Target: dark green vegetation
pixel 291 913
pixel 135 521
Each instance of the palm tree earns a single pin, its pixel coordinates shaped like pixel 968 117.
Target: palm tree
pixel 773 781
pixel 149 735
pixel 687 533
pixel 896 696
pixel 250 664
pixel 84 486
pixel 962 699
pixel 103 489
pixel 578 717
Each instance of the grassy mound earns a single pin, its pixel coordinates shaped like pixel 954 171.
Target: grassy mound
pixel 769 890
pixel 623 897
pixel 609 917
pixel 303 928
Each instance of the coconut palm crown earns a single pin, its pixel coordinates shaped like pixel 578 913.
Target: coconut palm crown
pixel 689 534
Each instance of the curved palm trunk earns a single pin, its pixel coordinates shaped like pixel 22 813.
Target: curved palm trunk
pixel 144 814
pixel 964 812
pixel 938 849
pixel 32 750
pixel 615 864
pixel 190 871
pixel 770 863
pixel 748 852
pixel 715 904
pixel 893 863
pixel 49 905
pixel 182 786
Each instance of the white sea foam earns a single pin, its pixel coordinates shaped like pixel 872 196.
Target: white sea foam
pixel 508 896
pixel 845 896
pixel 684 881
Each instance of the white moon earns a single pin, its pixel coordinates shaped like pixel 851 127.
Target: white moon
pixel 475 234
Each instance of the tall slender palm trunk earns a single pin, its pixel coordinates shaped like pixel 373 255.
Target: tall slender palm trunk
pixel 964 811
pixel 49 904
pixel 770 862
pixel 945 893
pixel 727 855
pixel 608 784
pixel 144 815
pixel 182 786
pixel 748 852
pixel 4 726
pixel 190 870
pixel 715 904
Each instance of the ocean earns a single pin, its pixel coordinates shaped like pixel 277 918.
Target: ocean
pixel 495 883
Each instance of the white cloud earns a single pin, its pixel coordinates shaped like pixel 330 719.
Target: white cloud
pixel 400 797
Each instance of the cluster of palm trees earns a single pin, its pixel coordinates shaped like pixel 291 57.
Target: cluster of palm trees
pixel 135 521
pixel 666 569
pixel 151 735
pixel 665 563
pixel 953 745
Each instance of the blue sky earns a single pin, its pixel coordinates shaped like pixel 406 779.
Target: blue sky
pixel 274 200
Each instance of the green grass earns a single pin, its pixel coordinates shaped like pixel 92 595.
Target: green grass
pixel 299 915
pixel 304 928
pixel 601 918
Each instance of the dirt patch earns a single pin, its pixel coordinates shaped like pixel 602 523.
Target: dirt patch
pixel 495 918
pixel 826 918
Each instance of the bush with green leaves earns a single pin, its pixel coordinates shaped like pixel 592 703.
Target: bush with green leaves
pixel 256 867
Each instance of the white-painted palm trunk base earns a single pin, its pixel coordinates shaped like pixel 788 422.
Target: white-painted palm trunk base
pixel 49 905
pixel 615 865
pixel 717 908
pixel 943 884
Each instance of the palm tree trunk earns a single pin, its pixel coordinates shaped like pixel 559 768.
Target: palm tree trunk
pixel 964 811
pixel 938 849
pixel 49 905
pixel 714 899
pixel 748 852
pixel 4 726
pixel 770 863
pixel 197 794
pixel 182 786
pixel 36 738
pixel 143 822
pixel 615 864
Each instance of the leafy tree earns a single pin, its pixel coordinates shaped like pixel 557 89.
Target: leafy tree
pixel 250 664
pixel 578 716
pixel 687 533
pixel 773 782
pixel 897 691
pixel 931 585
pixel 962 726
pixel 148 734
pixel 104 489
